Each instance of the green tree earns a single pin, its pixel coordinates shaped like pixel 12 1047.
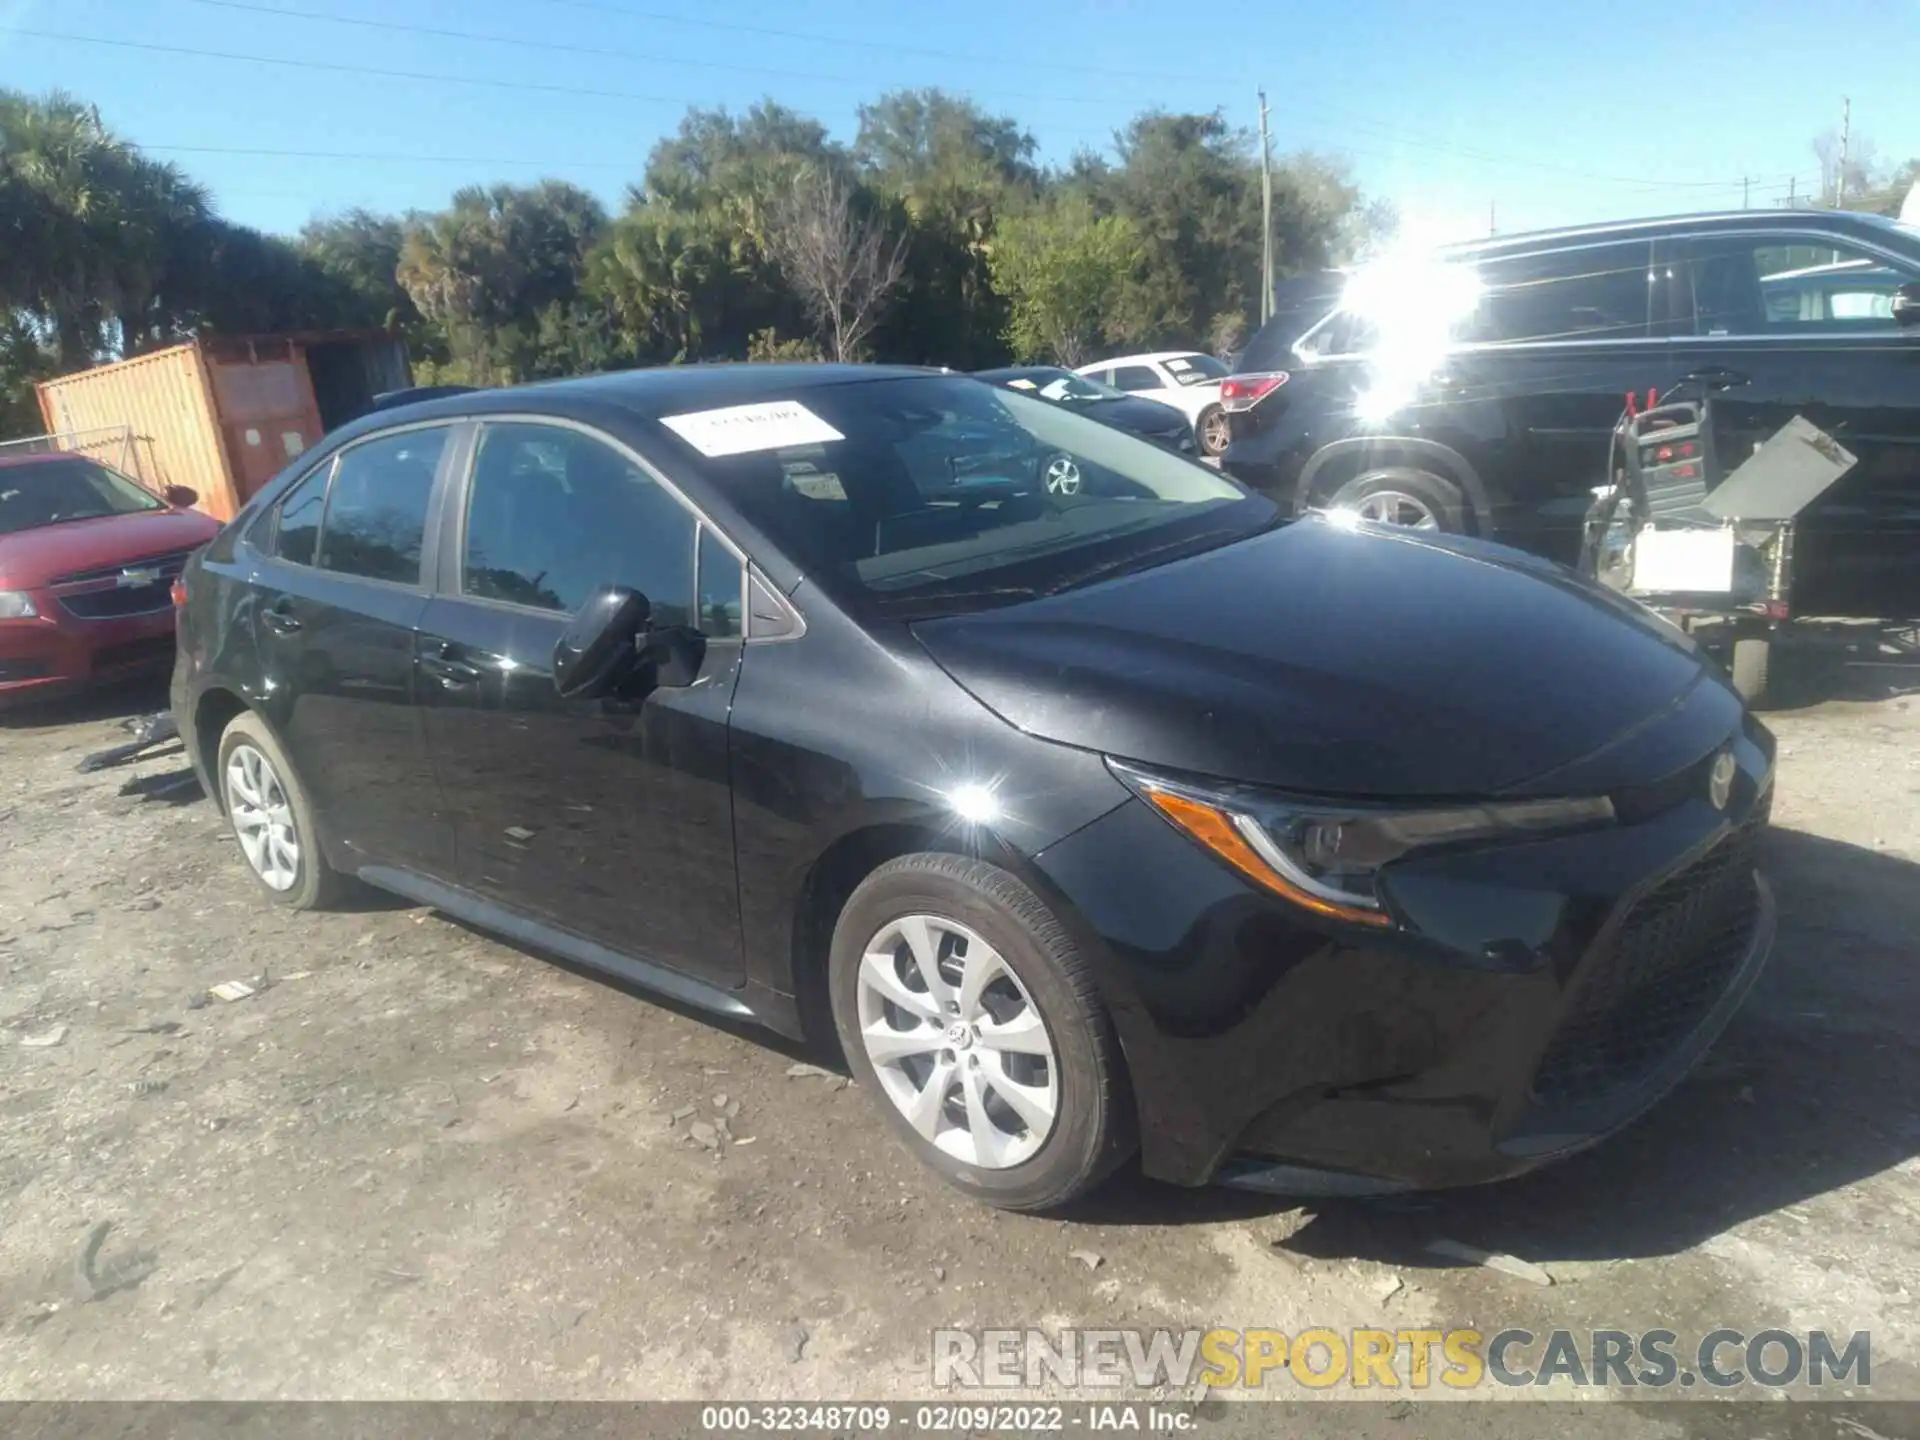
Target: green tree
pixel 955 169
pixel 487 268
pixel 1067 273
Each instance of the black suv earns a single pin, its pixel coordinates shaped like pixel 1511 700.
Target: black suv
pixel 1479 394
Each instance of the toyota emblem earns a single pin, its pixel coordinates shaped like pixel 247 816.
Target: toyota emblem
pixel 1720 785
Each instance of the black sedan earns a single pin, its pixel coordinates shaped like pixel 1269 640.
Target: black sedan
pixel 1149 419
pixel 1137 818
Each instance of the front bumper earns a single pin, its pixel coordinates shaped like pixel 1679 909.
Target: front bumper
pixel 55 653
pixel 1540 997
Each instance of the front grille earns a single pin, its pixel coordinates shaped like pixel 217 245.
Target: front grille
pixel 169 564
pixel 109 599
pixel 1673 957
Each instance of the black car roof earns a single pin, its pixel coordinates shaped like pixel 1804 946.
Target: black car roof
pixel 1874 227
pixel 1020 372
pixel 649 394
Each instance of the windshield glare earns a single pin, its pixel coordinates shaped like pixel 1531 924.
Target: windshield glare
pixel 51 492
pixel 945 494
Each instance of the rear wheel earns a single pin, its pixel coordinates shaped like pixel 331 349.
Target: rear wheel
pixel 271 817
pixel 964 1007
pixel 1214 431
pixel 1413 499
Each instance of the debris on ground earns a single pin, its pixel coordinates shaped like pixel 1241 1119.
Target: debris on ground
pixel 704 1135
pixel 682 1113
pixel 46 1039
pixel 1089 1258
pixel 1388 1288
pixel 96 1281
pixel 802 1070
pixel 158 1027
pixel 1492 1260
pixel 940 1272
pixel 720 1102
pixel 231 990
pixel 797 1338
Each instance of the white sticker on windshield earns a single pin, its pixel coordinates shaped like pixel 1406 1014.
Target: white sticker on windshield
pixel 1022 384
pixel 744 429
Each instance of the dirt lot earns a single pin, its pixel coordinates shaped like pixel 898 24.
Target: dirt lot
pixel 421 1163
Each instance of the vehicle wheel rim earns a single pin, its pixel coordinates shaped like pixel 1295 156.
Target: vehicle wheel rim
pixel 1063 476
pixel 957 1044
pixel 262 818
pixel 1396 507
pixel 1213 434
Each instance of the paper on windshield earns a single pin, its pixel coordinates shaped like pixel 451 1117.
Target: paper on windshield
pixel 747 429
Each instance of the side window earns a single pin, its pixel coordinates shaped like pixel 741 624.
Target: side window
pixel 298 532
pixel 722 582
pixel 1100 377
pixel 1598 292
pixel 1753 285
pixel 1136 377
pixel 376 523
pixel 553 514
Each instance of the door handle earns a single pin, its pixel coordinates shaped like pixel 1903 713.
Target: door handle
pixel 279 618
pixel 449 670
pixel 1717 377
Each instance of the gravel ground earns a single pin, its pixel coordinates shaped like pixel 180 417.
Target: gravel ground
pixel 421 1163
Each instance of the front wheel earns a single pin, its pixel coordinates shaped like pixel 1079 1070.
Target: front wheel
pixel 1214 431
pixel 965 1008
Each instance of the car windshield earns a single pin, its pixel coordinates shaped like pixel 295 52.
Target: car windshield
pixel 51 492
pixel 1195 369
pixel 1061 385
pixel 928 496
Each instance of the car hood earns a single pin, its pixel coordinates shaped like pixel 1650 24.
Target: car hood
pixel 30 558
pixel 1145 417
pixel 1332 661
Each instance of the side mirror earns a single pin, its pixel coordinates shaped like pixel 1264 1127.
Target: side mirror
pixel 1906 305
pixel 181 497
pixel 601 644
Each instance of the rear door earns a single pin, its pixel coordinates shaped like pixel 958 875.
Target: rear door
pixel 610 818
pixel 339 585
pixel 1557 342
pixel 1785 323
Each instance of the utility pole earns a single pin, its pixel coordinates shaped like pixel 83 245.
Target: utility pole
pixel 1846 127
pixel 1266 215
pixel 1492 229
pixel 1792 198
pixel 1746 192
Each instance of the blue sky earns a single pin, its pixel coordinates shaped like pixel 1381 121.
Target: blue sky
pixel 1550 114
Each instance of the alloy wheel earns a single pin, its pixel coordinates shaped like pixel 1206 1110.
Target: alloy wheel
pixel 956 1042
pixel 262 818
pixel 1063 476
pixel 1215 433
pixel 1396 507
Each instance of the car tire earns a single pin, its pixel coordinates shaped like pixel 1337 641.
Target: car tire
pixel 1421 498
pixel 1752 659
pixel 258 784
pixel 1014 1167
pixel 1212 431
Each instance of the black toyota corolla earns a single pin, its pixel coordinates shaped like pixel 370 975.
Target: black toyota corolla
pixel 1141 818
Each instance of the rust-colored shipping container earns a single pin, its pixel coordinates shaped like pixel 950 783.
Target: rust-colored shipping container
pixel 223 415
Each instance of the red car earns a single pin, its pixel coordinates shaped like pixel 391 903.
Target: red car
pixel 87 564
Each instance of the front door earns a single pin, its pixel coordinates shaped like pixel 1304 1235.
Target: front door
pixel 338 587
pixel 610 818
pixel 1785 325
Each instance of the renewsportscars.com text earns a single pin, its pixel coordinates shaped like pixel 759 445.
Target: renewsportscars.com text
pixel 1459 1359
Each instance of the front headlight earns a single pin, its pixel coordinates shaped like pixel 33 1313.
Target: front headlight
pixel 16 605
pixel 1328 857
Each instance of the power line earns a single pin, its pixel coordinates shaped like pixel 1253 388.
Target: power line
pixel 601 51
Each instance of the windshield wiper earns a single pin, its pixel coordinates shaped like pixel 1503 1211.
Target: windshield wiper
pixel 1206 540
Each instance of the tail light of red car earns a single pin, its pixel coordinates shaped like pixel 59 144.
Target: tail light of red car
pixel 1243 392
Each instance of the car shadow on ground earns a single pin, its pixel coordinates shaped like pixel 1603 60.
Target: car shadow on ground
pixel 121 700
pixel 1843 662
pixel 1816 1085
